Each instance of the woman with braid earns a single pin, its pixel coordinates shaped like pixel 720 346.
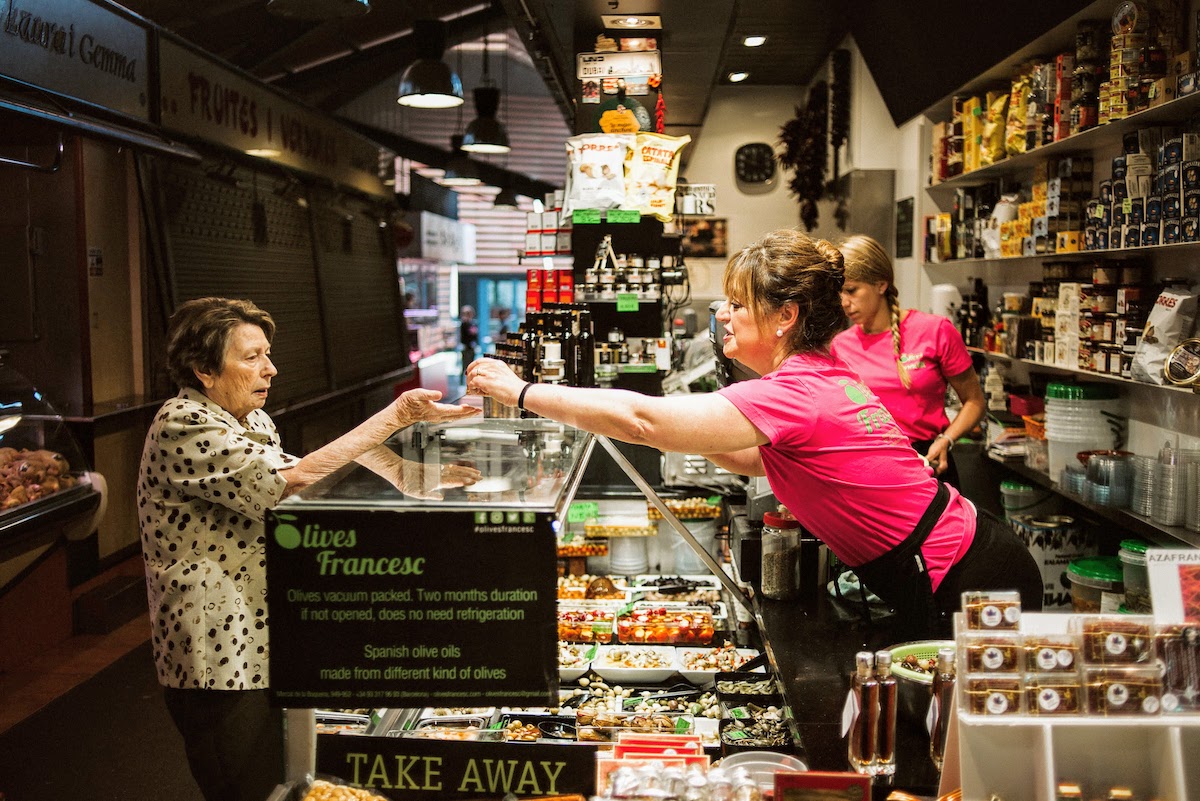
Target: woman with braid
pixel 830 450
pixel 906 357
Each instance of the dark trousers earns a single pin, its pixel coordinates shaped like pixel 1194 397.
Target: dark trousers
pixel 996 560
pixel 233 741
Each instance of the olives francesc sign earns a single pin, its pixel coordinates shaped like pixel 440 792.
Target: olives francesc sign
pixel 411 609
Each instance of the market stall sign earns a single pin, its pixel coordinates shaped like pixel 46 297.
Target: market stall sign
pixel 590 66
pixel 80 50
pixel 627 302
pixel 204 98
pixel 582 511
pixel 419 768
pixel 623 216
pixel 412 609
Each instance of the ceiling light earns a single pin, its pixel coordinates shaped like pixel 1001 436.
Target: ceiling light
pixel 632 21
pixel 318 9
pixel 505 199
pixel 738 77
pixel 485 134
pixel 428 82
pixel 460 170
pixel 754 41
pixel 263 152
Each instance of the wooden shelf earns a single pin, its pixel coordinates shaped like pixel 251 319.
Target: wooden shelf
pixel 1079 255
pixel 1088 374
pixel 1170 536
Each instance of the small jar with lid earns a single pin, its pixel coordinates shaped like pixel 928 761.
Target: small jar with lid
pixel 780 557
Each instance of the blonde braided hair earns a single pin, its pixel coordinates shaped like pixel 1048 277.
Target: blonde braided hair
pixel 867 262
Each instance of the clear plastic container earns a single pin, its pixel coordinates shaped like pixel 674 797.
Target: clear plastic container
pixel 1096 584
pixel 1135 576
pixel 1123 690
pixel 1053 694
pixel 780 557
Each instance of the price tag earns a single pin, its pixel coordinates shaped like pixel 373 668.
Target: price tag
pixel 624 216
pixel 714 500
pixel 627 301
pixel 568 537
pixel 586 216
pixel 582 511
pixel 739 713
pixel 733 733
pixel 1127 205
pixel 682 725
pixel 591 652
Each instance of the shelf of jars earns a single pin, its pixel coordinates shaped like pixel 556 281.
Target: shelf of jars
pixel 1170 536
pixel 1089 375
pixel 1103 136
pixel 1075 255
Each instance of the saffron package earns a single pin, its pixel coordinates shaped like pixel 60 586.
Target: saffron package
pixel 652 173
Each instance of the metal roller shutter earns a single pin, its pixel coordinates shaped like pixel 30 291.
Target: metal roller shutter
pixel 359 288
pixel 208 223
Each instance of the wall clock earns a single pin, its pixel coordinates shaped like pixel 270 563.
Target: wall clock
pixel 754 164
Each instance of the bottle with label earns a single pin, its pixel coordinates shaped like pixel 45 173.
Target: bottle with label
pixel 885 736
pixel 780 557
pixel 942 705
pixel 864 707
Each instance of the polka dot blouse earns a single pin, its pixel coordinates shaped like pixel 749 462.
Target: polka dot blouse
pixel 204 485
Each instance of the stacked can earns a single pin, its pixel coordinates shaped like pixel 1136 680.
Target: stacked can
pixel 1126 63
pixel 1087 75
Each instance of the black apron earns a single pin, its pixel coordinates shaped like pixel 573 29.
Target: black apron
pixel 901 580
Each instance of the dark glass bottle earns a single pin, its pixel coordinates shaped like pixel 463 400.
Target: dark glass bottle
pixel 585 348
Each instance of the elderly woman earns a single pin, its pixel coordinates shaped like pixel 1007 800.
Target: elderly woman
pixel 829 449
pixel 211 467
pixel 906 357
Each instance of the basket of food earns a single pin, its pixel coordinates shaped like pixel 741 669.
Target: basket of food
pixel 913 665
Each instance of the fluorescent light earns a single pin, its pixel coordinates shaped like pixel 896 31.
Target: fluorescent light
pixel 263 152
pixel 738 77
pixel 754 41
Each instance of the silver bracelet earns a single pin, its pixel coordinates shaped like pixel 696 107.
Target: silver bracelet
pixel 949 442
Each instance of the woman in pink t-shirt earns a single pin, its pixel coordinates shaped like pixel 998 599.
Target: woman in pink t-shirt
pixel 831 452
pixel 906 357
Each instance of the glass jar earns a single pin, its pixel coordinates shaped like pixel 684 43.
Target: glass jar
pixel 780 557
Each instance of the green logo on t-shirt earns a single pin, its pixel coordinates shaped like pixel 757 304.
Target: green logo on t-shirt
pixel 913 361
pixel 857 393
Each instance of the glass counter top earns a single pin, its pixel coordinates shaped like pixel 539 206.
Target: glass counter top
pixel 533 465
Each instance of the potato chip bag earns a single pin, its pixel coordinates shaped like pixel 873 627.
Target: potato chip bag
pixel 596 171
pixel 652 173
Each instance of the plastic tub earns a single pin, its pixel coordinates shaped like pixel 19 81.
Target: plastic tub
pixel 1097 585
pixel 1021 499
pixel 1062 451
pixel 685 559
pixel 1135 577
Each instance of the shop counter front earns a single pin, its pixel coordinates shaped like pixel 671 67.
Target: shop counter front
pixel 812 642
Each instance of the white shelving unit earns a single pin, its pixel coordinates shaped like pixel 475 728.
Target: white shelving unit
pixel 1025 757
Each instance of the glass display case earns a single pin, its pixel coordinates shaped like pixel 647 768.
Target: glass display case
pixel 44 477
pixel 533 465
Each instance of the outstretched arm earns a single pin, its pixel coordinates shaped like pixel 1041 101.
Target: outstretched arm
pixel 704 424
pixel 413 406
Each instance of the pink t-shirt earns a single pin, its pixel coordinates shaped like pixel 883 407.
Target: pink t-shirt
pixel 839 463
pixel 930 348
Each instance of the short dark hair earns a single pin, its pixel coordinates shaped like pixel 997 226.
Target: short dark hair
pixel 198 335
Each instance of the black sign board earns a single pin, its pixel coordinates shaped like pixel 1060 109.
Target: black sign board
pixel 404 609
pixel 401 767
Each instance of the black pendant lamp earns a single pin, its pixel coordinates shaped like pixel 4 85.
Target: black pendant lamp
pixel 460 170
pixel 505 199
pixel 429 82
pixel 485 134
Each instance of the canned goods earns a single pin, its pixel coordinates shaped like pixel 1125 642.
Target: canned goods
pixel 1183 365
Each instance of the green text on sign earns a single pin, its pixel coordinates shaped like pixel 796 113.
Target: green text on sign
pixel 586 216
pixel 627 301
pixel 582 511
pixel 623 216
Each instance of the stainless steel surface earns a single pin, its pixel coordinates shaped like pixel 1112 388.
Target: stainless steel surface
pixel 735 592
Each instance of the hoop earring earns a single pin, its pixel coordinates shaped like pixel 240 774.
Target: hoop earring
pixel 778 332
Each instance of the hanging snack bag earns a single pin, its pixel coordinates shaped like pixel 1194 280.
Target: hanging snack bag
pixel 992 147
pixel 1018 102
pixel 652 173
pixel 596 171
pixel 1169 323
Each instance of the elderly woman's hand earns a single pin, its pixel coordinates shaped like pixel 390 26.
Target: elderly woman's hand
pixel 427 483
pixel 494 379
pixel 420 405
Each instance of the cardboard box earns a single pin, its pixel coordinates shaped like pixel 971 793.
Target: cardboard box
pixel 1162 91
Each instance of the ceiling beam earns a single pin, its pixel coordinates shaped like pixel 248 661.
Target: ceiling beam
pixel 427 154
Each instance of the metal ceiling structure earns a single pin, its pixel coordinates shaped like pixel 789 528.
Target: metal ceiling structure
pixel 332 63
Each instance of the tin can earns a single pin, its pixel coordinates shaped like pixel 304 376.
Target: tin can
pixel 1183 365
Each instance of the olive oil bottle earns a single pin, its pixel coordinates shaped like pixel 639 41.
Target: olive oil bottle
pixel 865 704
